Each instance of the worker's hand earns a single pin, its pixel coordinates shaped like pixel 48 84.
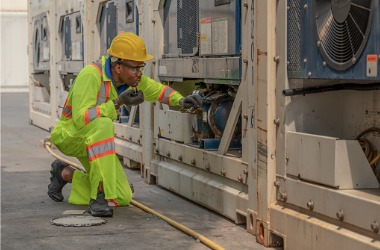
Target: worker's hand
pixel 189 101
pixel 131 97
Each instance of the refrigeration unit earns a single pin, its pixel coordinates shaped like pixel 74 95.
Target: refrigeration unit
pixel 39 47
pixel 202 47
pixel 202 54
pixel 331 115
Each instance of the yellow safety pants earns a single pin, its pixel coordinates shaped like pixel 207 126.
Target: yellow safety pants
pixel 102 165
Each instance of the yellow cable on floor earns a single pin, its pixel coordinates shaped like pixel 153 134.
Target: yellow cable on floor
pixel 203 239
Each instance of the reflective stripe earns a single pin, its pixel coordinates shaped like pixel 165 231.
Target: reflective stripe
pixel 100 149
pixel 91 114
pixel 165 95
pixel 104 93
pixel 98 67
pixel 67 111
pixel 102 97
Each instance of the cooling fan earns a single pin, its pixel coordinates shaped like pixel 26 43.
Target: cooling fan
pixel 343 28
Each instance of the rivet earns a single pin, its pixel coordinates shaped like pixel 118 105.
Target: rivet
pixel 310 204
pixel 340 215
pixel 375 226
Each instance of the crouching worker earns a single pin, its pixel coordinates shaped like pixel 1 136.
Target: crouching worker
pixel 86 130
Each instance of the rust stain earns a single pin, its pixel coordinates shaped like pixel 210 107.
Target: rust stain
pixel 259 128
pixel 260 53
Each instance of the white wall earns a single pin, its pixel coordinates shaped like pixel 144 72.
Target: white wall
pixel 14 40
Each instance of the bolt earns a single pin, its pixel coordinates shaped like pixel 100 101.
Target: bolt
pixel 276 58
pixel 340 215
pixel 276 121
pixel 180 157
pixel 193 162
pixel 375 226
pixel 223 172
pixel 284 196
pixel 240 178
pixel 276 184
pixel 305 61
pixel 153 20
pixel 138 141
pixel 310 204
pixel 208 167
pixel 168 154
pixel 324 63
pixel 245 116
pixel 245 171
pixel 130 138
pixel 245 4
pixel 309 74
pixel 319 43
pixel 245 61
pixel 353 60
pixel 305 7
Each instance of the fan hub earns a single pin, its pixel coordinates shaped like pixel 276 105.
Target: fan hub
pixel 340 9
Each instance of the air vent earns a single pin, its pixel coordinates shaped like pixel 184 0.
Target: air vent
pixel 343 28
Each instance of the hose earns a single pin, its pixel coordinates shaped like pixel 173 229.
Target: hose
pixel 372 156
pixel 212 245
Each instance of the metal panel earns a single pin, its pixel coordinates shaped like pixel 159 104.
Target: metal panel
pixel 224 70
pixel 355 207
pixel 177 126
pixel 329 161
pixel 219 28
pixel 202 188
pixel 229 167
pixel 309 232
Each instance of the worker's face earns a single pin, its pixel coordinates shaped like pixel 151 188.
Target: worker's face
pixel 130 72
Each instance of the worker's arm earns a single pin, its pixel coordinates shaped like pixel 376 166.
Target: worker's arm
pixel 156 91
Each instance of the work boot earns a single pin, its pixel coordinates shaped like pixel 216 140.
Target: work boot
pixel 56 181
pixel 99 207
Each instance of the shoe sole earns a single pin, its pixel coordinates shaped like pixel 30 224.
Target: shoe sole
pixel 101 214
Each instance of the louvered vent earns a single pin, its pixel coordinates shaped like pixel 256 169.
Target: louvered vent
pixel 343 28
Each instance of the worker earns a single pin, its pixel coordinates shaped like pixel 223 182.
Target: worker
pixel 86 130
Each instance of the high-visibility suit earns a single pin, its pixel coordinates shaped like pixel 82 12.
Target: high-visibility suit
pixel 86 131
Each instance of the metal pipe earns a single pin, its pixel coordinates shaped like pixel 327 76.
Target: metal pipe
pixel 334 87
pixel 47 144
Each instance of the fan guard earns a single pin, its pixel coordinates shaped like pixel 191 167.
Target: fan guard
pixel 343 28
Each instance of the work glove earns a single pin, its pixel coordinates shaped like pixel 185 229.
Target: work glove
pixel 189 101
pixel 131 97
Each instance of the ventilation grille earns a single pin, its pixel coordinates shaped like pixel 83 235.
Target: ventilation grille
pixel 342 30
pixel 187 24
pixel 294 35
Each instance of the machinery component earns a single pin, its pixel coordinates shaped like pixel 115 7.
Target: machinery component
pixel 202 41
pixel 113 17
pixel 212 119
pixel 41 41
pixel 344 34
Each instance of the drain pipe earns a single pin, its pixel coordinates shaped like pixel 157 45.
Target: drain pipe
pixel 47 144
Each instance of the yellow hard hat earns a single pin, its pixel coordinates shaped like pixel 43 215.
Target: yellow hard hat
pixel 129 46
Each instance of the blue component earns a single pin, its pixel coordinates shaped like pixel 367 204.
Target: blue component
pixel 213 144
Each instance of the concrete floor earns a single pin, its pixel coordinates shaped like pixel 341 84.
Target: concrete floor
pixel 26 209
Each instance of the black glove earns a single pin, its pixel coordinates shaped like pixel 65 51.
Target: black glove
pixel 189 101
pixel 131 97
